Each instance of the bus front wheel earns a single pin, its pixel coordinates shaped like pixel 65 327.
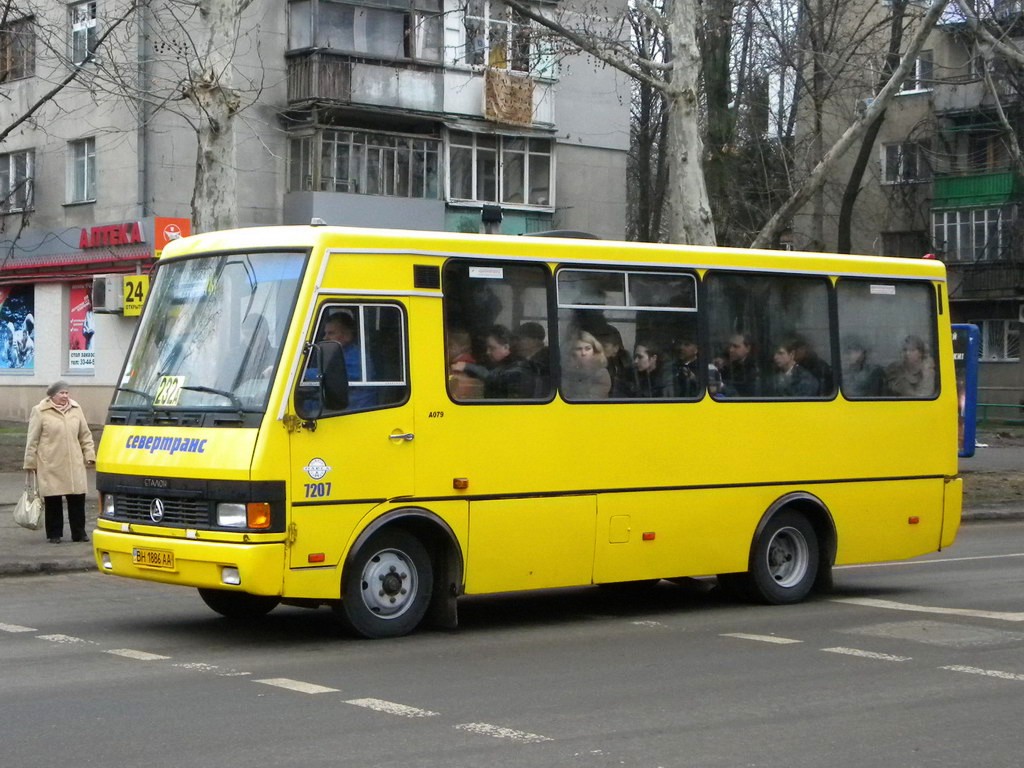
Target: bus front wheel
pixel 387 590
pixel 784 560
pixel 238 605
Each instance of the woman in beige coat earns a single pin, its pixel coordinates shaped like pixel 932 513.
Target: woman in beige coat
pixel 58 447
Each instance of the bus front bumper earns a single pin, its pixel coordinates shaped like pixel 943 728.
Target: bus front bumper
pixel 254 568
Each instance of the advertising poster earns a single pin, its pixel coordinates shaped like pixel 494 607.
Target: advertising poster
pixel 80 342
pixel 17 327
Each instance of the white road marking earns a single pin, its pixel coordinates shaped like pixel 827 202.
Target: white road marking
pixel 201 666
pixel 647 624
pixel 296 685
pixel 866 654
pixel 16 628
pixel 986 672
pixel 64 639
pixel 496 731
pixel 933 561
pixel 128 653
pixel 870 602
pixel 762 638
pixel 391 708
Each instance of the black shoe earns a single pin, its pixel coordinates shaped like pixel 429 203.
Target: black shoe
pixel 55 540
pixel 85 537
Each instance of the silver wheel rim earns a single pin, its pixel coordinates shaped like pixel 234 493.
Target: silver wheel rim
pixel 788 557
pixel 389 584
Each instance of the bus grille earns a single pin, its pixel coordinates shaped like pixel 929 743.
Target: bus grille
pixel 187 513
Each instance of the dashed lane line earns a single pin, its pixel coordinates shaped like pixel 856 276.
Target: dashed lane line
pixel 296 685
pixel 867 654
pixel 64 639
pixel 985 672
pixel 16 628
pixel 870 602
pixel 497 732
pixel 391 708
pixel 762 638
pixel 129 653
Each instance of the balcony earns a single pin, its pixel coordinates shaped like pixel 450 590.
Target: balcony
pixel 332 79
pixel 988 280
pixel 965 94
pixel 977 190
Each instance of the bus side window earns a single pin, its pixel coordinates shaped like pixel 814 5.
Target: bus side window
pixel 496 329
pixel 888 339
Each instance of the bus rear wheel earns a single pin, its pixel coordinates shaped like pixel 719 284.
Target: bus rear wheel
pixel 238 605
pixel 387 591
pixel 784 559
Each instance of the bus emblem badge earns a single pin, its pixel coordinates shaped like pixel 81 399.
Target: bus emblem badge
pixel 316 468
pixel 156 510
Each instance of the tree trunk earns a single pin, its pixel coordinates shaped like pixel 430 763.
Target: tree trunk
pixel 690 211
pixel 210 89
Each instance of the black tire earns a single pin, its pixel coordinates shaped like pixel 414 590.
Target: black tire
pixel 784 559
pixel 387 585
pixel 238 605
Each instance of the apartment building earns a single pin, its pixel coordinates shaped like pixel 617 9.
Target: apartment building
pixel 430 114
pixel 946 180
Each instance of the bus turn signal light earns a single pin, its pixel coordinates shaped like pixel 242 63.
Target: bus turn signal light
pixel 460 483
pixel 913 520
pixel 257 514
pixel 648 536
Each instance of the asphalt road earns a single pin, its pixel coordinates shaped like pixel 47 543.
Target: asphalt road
pixel 910 664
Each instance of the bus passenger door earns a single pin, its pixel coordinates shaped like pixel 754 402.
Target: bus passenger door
pixel 360 453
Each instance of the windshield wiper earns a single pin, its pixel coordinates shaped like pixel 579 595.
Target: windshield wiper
pixel 222 392
pixel 145 395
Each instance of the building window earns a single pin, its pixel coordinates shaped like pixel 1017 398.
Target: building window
pixel 366 163
pixel 17 50
pixel 82 170
pixel 905 162
pixel 1000 340
pixel 497 36
pixel 972 234
pixel 390 29
pixel 923 76
pixel 482 165
pixel 83 31
pixel 16 181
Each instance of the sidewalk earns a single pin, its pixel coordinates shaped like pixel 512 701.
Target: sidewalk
pixel 27 552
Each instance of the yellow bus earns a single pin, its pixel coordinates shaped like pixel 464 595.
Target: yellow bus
pixel 382 421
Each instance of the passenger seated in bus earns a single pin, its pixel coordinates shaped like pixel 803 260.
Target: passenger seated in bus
pixel 808 359
pixel 790 378
pixel 461 385
pixel 341 327
pixel 508 376
pixel 740 374
pixel 585 371
pixel 652 377
pixel 914 374
pixel 620 364
pixel 685 368
pixel 529 344
pixel 861 378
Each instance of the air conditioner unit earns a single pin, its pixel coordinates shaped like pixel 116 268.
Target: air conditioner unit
pixel 108 294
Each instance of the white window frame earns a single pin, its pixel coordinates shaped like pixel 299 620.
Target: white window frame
pixel 906 151
pixel 923 76
pixel 82 170
pixel 495 33
pixel 16 191
pixel 18 49
pixel 528 154
pixel 84 29
pixel 999 340
pixel 955 233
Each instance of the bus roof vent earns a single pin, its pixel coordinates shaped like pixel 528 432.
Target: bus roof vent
pixel 426 276
pixel 564 233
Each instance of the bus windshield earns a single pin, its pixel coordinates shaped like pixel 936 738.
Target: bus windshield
pixel 211 333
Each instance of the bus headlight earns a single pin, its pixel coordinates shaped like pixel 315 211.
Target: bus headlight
pixel 107 504
pixel 255 514
pixel 231 515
